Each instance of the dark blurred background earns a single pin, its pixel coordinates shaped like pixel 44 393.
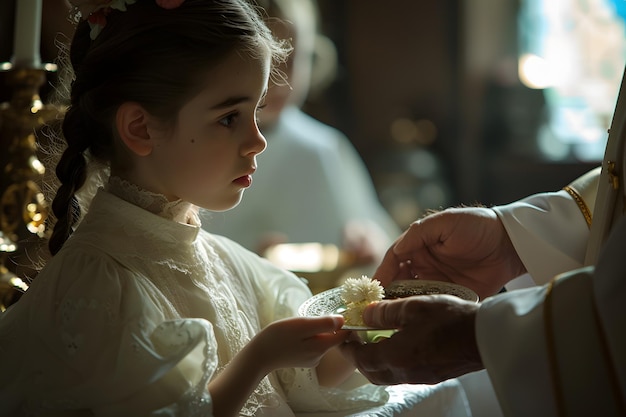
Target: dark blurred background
pixel 433 97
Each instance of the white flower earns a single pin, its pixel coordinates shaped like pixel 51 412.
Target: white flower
pixel 354 313
pixel 364 289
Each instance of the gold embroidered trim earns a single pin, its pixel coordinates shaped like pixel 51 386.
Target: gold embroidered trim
pixel 552 355
pixel 581 204
pixel 610 365
pixel 551 345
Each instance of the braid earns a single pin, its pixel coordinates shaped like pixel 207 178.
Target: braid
pixel 71 171
pixel 81 132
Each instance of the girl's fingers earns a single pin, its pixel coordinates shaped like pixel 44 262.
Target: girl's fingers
pixel 309 326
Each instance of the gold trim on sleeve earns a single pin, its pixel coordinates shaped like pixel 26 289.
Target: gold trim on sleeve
pixel 584 209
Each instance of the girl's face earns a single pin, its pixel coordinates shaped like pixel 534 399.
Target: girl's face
pixel 209 156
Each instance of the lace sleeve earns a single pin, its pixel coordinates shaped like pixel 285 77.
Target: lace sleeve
pixel 278 292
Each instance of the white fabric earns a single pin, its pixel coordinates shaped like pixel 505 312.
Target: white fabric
pixel 310 182
pixel 611 194
pixel 548 232
pixel 446 399
pixel 480 395
pixel 137 312
pixel 511 327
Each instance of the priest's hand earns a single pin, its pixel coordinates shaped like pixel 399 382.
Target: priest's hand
pixel 435 341
pixel 467 246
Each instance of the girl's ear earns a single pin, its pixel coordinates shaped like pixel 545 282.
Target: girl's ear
pixel 131 121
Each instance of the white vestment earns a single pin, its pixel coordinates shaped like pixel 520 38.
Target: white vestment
pixel 550 233
pixel 560 349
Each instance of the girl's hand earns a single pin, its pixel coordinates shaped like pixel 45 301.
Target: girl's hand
pixel 297 342
pixel 293 342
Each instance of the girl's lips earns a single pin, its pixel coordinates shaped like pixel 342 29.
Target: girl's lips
pixel 244 181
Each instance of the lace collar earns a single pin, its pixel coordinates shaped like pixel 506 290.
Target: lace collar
pixel 179 210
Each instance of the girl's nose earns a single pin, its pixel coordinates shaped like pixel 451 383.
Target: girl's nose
pixel 256 143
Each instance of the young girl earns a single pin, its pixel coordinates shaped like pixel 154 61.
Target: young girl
pixel 139 311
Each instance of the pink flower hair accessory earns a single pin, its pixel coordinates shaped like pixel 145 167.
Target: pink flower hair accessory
pixel 96 11
pixel 169 4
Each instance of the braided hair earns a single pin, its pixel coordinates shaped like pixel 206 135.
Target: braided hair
pixel 151 56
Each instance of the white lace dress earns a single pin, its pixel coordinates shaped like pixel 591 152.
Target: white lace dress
pixel 139 310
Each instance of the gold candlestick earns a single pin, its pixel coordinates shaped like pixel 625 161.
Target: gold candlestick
pixel 23 209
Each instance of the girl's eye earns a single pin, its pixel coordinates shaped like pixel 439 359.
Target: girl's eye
pixel 258 110
pixel 228 120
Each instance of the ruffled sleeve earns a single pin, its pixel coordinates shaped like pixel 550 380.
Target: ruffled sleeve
pixel 95 336
pixel 548 232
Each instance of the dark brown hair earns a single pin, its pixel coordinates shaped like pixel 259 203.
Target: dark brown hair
pixel 151 56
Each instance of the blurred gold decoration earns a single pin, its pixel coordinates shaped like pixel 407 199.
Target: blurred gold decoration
pixel 322 265
pixel 7 278
pixel 23 209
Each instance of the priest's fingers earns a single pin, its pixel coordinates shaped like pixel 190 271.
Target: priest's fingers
pixel 418 236
pixel 386 363
pixel 390 314
pixel 423 312
pixel 389 269
pixel 372 362
pixel 366 357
